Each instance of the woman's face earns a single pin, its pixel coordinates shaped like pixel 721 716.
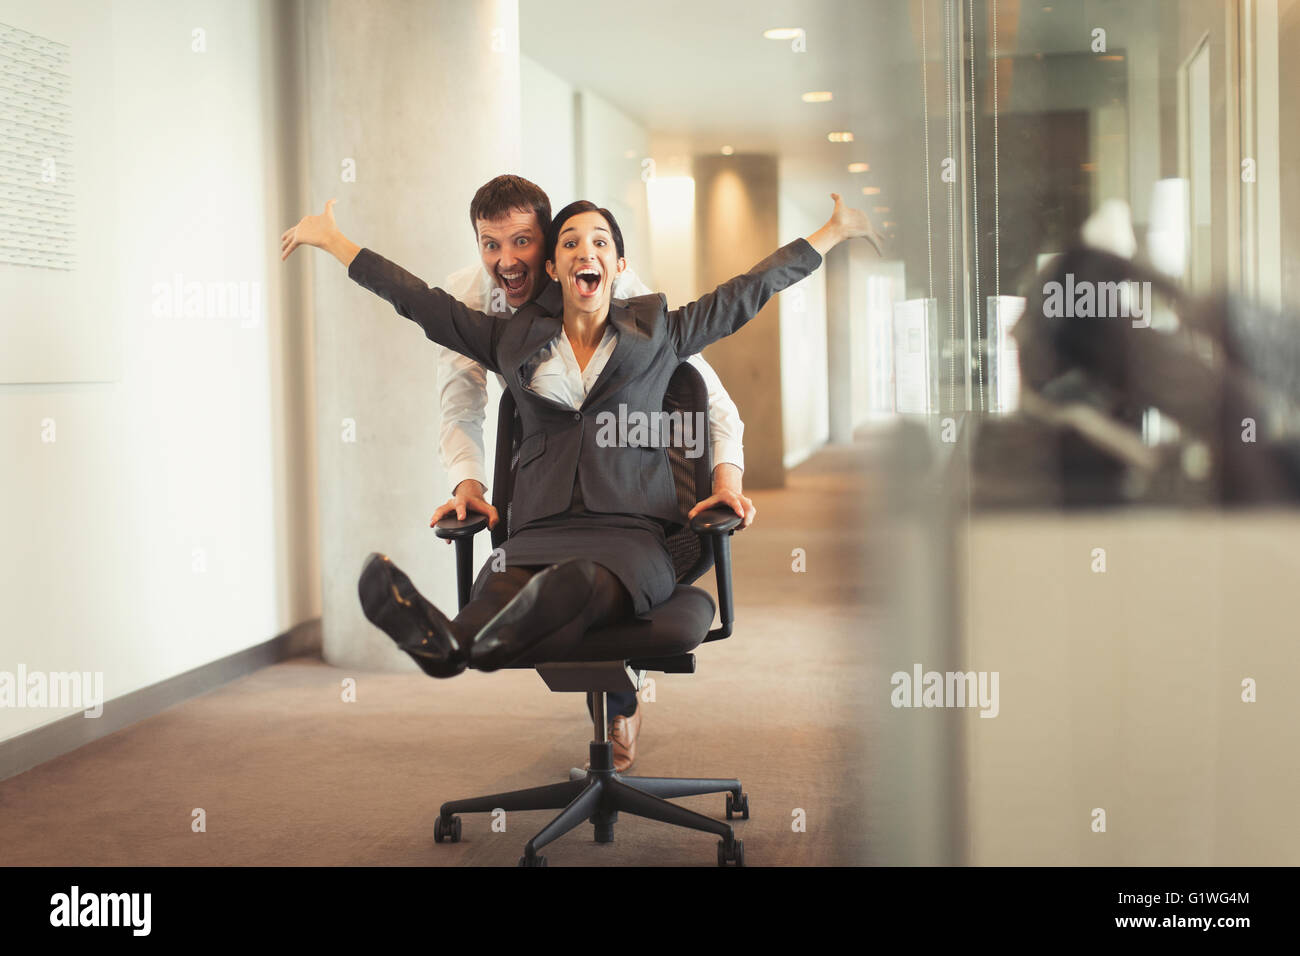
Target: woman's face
pixel 586 262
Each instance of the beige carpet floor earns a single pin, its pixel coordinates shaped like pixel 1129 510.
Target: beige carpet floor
pixel 288 774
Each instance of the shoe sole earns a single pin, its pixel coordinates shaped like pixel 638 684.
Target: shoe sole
pixel 391 603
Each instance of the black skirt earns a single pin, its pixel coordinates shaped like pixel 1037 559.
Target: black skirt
pixel 632 547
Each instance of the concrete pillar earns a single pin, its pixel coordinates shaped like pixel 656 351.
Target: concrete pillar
pixel 735 227
pixel 422 98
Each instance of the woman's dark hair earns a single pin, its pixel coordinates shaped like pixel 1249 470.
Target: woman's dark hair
pixel 573 209
pixel 503 195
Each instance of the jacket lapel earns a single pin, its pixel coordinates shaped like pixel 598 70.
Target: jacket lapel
pixel 548 321
pixel 625 326
pixel 544 324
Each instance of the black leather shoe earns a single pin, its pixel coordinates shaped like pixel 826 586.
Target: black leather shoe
pixel 528 620
pixel 392 604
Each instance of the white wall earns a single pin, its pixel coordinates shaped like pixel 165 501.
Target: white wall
pixel 610 147
pixel 804 393
pixel 100 570
pixel 671 204
pixel 547 133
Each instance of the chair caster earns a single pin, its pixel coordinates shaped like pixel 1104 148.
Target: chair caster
pixel 526 860
pixel 604 832
pixel 446 829
pixel 736 855
pixel 739 805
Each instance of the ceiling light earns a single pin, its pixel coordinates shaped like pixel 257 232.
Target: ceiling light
pixel 727 150
pixel 880 209
pixel 783 33
pixel 871 190
pixel 819 96
pixel 859 168
pixel 840 136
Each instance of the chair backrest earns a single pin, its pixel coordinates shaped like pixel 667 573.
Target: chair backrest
pixel 692 477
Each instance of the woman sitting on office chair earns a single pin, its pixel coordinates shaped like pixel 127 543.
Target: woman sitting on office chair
pixel 587 522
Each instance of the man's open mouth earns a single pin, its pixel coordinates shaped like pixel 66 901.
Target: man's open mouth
pixel 514 282
pixel 588 281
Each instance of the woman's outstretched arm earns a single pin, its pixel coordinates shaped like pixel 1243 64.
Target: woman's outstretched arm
pixel 728 307
pixel 444 319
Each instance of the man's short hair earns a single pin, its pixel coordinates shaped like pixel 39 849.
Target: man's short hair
pixel 573 209
pixel 504 194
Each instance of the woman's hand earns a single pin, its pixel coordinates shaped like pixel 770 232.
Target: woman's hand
pixel 726 492
pixel 323 233
pixel 467 497
pixel 728 499
pixel 845 223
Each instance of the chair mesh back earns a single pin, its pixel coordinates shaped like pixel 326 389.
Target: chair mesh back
pixel 691 476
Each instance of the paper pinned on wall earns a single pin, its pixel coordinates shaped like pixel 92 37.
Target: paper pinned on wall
pixel 37 171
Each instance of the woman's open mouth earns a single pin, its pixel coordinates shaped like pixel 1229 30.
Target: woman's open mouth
pixel 514 282
pixel 588 282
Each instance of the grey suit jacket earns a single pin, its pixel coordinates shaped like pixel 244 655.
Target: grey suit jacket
pixel 560 444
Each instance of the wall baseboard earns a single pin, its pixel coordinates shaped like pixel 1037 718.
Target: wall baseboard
pixel 62 736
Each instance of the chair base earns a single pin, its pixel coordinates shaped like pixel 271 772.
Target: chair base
pixel 597 796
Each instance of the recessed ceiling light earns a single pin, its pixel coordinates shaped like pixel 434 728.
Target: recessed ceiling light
pixel 840 136
pixel 859 168
pixel 889 225
pixel 880 209
pixel 818 96
pixel 727 150
pixel 871 190
pixel 783 33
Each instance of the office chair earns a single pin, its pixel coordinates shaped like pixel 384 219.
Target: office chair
pixel 616 658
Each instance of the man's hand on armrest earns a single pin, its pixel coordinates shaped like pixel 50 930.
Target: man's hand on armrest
pixel 467 497
pixel 726 493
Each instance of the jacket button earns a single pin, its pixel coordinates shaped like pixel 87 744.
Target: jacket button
pixel 577 416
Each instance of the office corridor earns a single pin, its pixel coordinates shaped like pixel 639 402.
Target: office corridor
pixel 287 773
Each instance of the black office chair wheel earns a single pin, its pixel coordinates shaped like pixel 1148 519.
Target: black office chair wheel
pixel 535 861
pixel 736 854
pixel 446 829
pixel 740 806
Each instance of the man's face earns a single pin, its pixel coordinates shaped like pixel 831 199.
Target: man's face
pixel 512 253
pixel 586 262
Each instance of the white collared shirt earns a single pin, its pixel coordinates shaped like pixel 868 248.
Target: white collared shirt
pixel 557 375
pixel 463 383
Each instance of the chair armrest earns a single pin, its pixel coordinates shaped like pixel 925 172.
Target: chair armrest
pixel 718 524
pixel 719 520
pixel 462 532
pixel 452 527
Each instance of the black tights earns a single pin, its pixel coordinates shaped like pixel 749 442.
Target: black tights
pixel 610 602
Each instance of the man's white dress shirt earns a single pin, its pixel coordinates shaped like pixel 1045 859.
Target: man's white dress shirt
pixel 463 383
